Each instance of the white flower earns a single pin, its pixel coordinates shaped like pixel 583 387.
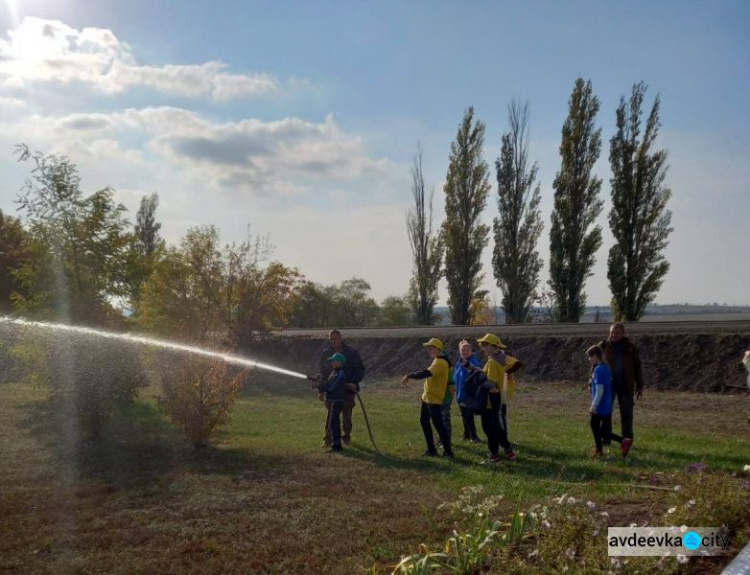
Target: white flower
pixel 683 528
pixel 605 514
pixel 615 562
pixel 547 524
pixel 591 505
pixel 746 469
pixel 571 553
pixel 571 501
pixel 677 488
pixel 670 510
pixel 690 503
pixel 682 559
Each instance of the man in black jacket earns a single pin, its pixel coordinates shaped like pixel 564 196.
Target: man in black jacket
pixel 354 370
pixel 627 378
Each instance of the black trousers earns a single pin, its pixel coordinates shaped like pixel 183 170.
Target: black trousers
pixel 601 426
pixel 626 402
pixel 495 425
pixel 333 423
pixel 470 426
pixel 431 413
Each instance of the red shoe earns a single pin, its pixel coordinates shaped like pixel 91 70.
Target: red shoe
pixel 511 455
pixel 626 445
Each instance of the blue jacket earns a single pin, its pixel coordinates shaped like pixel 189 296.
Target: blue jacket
pixel 461 374
pixel 602 376
pixel 335 386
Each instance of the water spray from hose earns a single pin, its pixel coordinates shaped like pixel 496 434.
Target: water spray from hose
pixel 125 337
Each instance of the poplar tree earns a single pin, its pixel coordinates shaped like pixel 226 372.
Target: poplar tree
pixel 515 260
pixel 426 248
pixel 466 189
pixel 639 220
pixel 574 239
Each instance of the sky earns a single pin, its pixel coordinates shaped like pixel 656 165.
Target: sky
pixel 300 120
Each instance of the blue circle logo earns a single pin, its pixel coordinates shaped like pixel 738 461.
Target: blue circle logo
pixel 691 541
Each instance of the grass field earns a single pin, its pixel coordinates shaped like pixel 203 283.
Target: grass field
pixel 267 499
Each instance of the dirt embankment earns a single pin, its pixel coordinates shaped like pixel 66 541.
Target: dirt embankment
pixel 679 361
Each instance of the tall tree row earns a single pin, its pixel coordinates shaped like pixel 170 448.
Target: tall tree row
pixel 639 220
pixel 515 259
pixel 426 248
pixel 466 189
pixel 574 237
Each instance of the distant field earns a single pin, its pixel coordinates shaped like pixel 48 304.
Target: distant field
pixel 268 500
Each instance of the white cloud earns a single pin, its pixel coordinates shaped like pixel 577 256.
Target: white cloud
pixel 50 51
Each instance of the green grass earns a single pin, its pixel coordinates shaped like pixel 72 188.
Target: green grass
pixel 267 499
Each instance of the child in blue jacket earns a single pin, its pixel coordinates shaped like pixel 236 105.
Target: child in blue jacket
pixel 460 374
pixel 335 394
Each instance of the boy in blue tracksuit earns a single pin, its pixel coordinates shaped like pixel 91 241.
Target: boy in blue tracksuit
pixel 602 399
pixel 335 394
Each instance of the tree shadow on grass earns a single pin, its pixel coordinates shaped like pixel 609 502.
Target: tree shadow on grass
pixel 137 445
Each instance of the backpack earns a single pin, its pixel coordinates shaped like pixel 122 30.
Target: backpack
pixel 476 393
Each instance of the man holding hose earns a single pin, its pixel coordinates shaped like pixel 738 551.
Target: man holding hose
pixel 354 371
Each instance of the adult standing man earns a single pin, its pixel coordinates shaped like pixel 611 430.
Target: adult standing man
pixel 627 378
pixel 354 371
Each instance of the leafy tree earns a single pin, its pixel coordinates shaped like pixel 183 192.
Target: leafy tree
pixel 79 248
pixel 482 309
pixel 14 255
pixel 515 259
pixel 426 248
pixel 354 306
pixel 639 219
pixel 466 189
pixel 145 248
pixel 184 295
pixel 395 311
pixel 574 239
pixel 313 305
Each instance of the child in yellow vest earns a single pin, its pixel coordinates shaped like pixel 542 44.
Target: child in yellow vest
pixel 435 387
pixel 494 417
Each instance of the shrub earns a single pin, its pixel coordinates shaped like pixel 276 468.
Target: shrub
pixel 197 394
pixel 89 376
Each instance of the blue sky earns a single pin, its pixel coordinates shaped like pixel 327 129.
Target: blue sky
pixel 307 128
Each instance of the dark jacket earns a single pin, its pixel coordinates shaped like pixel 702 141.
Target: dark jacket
pixel 354 369
pixel 335 386
pixel 631 363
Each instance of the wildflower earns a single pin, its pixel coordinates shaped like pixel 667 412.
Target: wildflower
pixel 547 524
pixel 570 553
pixel 682 559
pixel 696 467
pixel 746 469
pixel 591 505
pixel 677 488
pixel 670 510
pixel 605 514
pixel 572 501
pixel 615 562
pixel 690 503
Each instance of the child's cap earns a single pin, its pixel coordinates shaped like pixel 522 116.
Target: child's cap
pixel 434 342
pixel 492 339
pixel 338 357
